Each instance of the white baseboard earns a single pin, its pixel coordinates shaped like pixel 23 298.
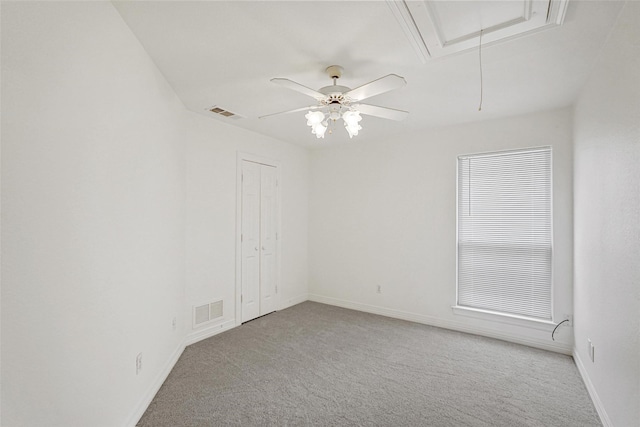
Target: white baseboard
pixel 209 331
pixel 294 301
pixel 442 323
pixel 192 338
pixel 215 329
pixel 604 418
pixel 142 405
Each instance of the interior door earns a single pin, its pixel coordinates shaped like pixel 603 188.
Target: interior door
pixel 258 240
pixel 267 239
pixel 250 241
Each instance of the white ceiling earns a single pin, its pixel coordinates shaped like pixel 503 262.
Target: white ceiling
pixel 225 53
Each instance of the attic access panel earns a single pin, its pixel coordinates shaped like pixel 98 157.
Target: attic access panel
pixel 440 28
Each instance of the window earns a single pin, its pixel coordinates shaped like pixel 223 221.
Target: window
pixel 504 232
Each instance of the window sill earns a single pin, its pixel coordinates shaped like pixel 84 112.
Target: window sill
pixel 509 319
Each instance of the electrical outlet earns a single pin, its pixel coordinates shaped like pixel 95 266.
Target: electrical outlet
pixel 379 289
pixel 138 363
pixel 569 317
pixel 590 350
pixel 174 323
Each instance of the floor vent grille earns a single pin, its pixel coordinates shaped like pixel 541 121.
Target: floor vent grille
pixel 207 312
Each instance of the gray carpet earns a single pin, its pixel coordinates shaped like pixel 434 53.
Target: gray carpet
pixel 314 364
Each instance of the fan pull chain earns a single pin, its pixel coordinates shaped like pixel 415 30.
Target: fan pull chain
pixel 480 62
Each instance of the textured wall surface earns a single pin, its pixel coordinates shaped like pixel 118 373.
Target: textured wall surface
pixel 384 214
pixel 118 216
pixel 607 224
pixel 93 183
pixel 211 212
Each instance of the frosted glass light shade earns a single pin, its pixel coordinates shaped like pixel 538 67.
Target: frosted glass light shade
pixel 351 119
pixel 318 130
pixel 314 117
pixel 317 120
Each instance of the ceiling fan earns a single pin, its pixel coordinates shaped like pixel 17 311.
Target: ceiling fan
pixel 335 102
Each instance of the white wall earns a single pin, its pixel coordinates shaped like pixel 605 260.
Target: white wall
pixel 211 216
pixel 102 170
pixel 384 214
pixel 0 233
pixel 607 225
pixel 119 207
pixel 93 185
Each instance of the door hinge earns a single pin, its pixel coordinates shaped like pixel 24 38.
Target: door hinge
pixel 241 299
pixel 276 289
pixel 276 236
pixel 242 177
pixel 242 237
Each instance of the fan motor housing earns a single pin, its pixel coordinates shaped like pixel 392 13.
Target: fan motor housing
pixel 335 93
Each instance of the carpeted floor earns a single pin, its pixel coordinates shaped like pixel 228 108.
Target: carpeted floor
pixel 314 364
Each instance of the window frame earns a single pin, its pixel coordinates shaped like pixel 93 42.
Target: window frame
pixel 505 317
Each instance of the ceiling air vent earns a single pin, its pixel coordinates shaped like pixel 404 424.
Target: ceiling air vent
pixel 222 112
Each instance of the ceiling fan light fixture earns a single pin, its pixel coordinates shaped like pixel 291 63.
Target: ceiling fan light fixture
pixel 352 130
pixel 314 117
pixel 337 102
pixel 334 115
pixel 351 122
pixel 315 121
pixel 351 117
pixel 318 130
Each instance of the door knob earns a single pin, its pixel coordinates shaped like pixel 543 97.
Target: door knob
pixel 264 249
pixel 256 248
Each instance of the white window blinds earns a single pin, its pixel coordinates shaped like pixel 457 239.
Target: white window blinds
pixel 504 232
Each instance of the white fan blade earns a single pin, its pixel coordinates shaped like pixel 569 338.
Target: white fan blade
pixel 290 84
pixel 313 107
pixel 384 112
pixel 376 87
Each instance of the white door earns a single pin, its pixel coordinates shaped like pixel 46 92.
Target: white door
pixel 258 240
pixel 250 241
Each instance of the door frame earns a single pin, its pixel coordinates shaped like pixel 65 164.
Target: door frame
pixel 240 157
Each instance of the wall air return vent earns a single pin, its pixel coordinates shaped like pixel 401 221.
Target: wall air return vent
pixel 222 112
pixel 207 312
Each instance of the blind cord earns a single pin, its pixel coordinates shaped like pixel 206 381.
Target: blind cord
pixel 469 192
pixel 554 329
pixel 480 62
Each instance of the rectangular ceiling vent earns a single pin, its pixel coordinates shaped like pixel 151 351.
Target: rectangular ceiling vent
pixel 222 112
pixel 207 312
